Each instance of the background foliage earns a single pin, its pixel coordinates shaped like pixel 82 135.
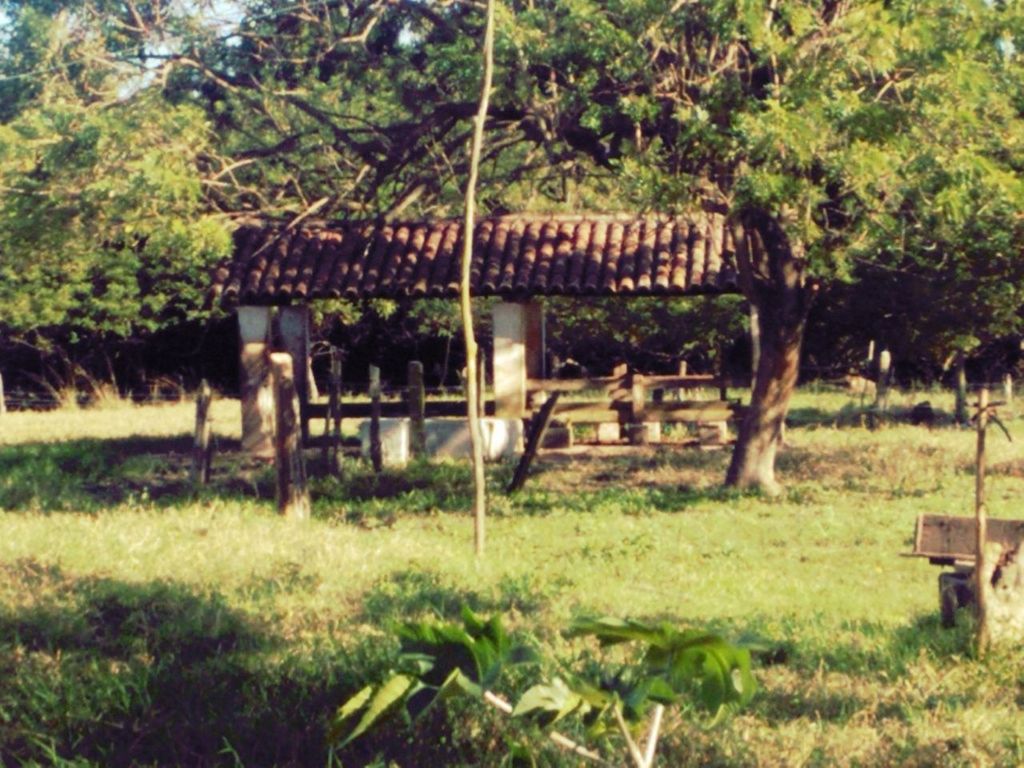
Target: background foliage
pixel 884 136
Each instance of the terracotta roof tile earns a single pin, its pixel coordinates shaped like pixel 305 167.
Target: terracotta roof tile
pixel 512 256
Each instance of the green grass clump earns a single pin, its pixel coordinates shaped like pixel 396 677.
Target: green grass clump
pixel 145 623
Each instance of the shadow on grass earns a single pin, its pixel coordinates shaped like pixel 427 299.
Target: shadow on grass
pixel 408 595
pixel 83 475
pixel 121 674
pixel 829 675
pixel 90 475
pixel 866 415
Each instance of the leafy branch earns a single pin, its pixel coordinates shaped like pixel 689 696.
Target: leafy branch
pixel 442 661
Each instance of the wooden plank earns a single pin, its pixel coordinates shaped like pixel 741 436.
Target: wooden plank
pixel 687 411
pixel 694 410
pixel 609 383
pixel 953 538
pixel 396 409
pixel 538 427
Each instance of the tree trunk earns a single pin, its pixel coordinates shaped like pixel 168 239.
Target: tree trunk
pixel 753 459
pixel 772 277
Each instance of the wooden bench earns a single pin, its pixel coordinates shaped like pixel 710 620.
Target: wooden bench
pixel 631 400
pixel 951 541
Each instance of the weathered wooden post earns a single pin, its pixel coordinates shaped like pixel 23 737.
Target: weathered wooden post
pixel 638 402
pixel 202 456
pixel 332 443
pixel 416 399
pixel 292 493
pixel 293 328
pixel 682 393
pixel 980 586
pixel 884 377
pixel 961 389
pixel 723 387
pixel 481 385
pixel 376 453
pixel 1007 391
pixel 3 402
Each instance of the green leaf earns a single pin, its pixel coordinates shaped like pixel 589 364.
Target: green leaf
pixel 555 699
pixel 389 695
pixel 347 710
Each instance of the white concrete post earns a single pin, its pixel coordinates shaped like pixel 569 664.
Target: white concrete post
pixel 518 354
pixel 256 385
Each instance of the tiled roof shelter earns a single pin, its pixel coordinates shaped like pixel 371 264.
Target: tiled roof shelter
pixel 519 258
pixel 513 256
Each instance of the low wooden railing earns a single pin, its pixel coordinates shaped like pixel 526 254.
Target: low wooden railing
pixel 632 398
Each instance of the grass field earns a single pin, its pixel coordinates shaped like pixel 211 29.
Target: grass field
pixel 141 624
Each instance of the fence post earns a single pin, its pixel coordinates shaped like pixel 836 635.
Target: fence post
pixel 1007 391
pixel 416 398
pixel 481 388
pixel 638 396
pixel 961 389
pixel 376 454
pixel 3 402
pixel 202 456
pixel 292 494
pixel 884 376
pixel 332 428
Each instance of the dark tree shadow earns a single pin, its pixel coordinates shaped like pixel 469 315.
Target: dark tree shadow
pixel 90 474
pixel 154 673
pixel 406 595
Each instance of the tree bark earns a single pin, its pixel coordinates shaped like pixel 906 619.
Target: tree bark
pixel 772 275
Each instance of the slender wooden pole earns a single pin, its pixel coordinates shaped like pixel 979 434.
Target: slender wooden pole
pixel 292 493
pixel 980 587
pixel 1007 391
pixel 417 403
pixel 3 401
pixel 376 453
pixel 201 447
pixel 465 302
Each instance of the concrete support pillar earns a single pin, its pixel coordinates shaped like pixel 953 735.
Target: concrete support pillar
pixel 518 354
pixel 293 325
pixel 256 385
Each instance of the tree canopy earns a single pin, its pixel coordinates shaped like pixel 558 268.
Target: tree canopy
pixel 874 142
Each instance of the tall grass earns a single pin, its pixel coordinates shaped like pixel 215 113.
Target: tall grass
pixel 142 623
